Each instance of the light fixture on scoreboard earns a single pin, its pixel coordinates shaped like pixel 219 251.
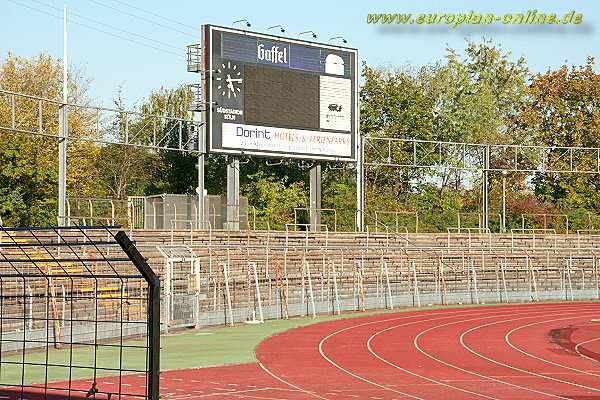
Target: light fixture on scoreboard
pixel 281 28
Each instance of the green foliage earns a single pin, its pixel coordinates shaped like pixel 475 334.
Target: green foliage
pixel 275 199
pixel 28 163
pixel 474 98
pixel 339 193
pixel 481 94
pixel 564 110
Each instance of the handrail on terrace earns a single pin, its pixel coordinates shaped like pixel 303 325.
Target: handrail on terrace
pixel 477 214
pixel 397 214
pixel 319 210
pixel 545 216
pixel 459 230
pixel 533 232
pixel 307 230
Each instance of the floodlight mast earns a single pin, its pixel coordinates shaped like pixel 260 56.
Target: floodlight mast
pixel 63 132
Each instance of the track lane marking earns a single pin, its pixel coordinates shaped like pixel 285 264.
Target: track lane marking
pixel 416 344
pixel 507 340
pixel 417 314
pixel 290 384
pixel 585 342
pixel 515 368
pixel 430 379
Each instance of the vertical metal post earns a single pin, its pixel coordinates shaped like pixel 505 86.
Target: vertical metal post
pixel 200 191
pixel 503 202
pixel 485 188
pixel 416 284
pixel 258 298
pixel 310 289
pixel 315 197
pixel 569 266
pixel 153 313
pixel 168 275
pixel 62 163
pixel 335 287
pixel 503 270
pixel 63 127
pixel 474 279
pixel 201 139
pixel 387 282
pixel 227 292
pixel 360 184
pixel 233 194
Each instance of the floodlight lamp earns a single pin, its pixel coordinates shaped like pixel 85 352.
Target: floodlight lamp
pixel 338 38
pixel 281 28
pixel 248 24
pixel 314 35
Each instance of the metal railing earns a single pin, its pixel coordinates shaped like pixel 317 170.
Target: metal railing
pixel 545 217
pixel 397 215
pixel 316 210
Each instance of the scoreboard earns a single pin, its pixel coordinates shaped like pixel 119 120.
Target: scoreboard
pixel 279 97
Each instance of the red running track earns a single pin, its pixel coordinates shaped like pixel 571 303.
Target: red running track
pixel 532 351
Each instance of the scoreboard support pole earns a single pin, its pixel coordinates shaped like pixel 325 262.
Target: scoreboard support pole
pixel 200 191
pixel 315 197
pixel 360 184
pixel 233 194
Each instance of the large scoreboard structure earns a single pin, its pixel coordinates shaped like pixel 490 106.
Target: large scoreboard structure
pixel 279 97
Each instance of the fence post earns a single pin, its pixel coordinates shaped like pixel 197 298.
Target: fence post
pixel 503 270
pixel 227 292
pixel 387 281
pixel 310 288
pixel 416 284
pixel 258 298
pixel 335 288
pixel 474 278
pixel 153 312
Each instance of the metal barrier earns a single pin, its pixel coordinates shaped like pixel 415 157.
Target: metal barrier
pixel 397 215
pixel 256 282
pixel 545 219
pixel 316 210
pixel 74 303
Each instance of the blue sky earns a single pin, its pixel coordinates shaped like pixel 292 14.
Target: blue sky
pixel 113 62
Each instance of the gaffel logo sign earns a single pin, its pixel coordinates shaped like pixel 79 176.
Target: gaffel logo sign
pixel 272 53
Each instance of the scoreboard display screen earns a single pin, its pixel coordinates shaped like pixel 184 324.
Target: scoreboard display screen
pixel 279 97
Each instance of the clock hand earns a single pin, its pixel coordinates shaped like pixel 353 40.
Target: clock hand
pixel 234 80
pixel 229 83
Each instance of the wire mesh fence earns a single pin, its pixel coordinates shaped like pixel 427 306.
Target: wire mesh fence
pixel 78 315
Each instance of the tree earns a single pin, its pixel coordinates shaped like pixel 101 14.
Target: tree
pixel 275 199
pixel 29 163
pixel 564 110
pixel 472 98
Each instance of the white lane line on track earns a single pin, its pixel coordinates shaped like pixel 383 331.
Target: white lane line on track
pixel 416 344
pixel 443 314
pixel 507 340
pixel 585 342
pixel 439 382
pixel 236 393
pixel 511 367
pixel 290 384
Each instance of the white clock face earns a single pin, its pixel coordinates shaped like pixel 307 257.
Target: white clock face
pixel 229 80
